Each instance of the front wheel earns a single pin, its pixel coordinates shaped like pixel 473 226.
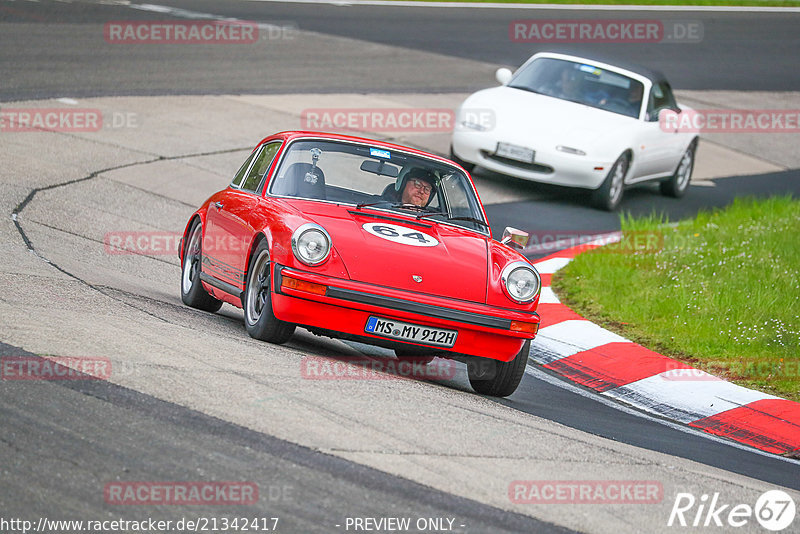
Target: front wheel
pixel 192 292
pixel 259 319
pixel 677 185
pixel 609 195
pixel 499 379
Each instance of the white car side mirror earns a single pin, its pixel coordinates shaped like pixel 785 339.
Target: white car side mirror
pixel 668 120
pixel 503 75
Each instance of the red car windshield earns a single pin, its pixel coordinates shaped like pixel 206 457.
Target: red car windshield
pixel 364 175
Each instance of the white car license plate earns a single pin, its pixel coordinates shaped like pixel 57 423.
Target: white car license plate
pixel 411 332
pixel 518 153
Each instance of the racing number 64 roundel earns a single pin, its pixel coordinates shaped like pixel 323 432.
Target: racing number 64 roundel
pixel 401 234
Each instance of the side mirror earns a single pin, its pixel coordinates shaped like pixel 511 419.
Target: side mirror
pixel 503 75
pixel 668 120
pixel 663 114
pixel 515 238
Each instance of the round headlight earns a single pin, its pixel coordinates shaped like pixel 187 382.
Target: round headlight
pixel 521 282
pixel 311 244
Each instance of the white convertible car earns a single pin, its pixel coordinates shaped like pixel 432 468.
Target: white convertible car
pixel 576 122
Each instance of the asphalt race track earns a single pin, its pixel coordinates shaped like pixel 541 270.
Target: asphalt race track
pixel 192 398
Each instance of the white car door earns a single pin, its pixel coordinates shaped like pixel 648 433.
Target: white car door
pixel 659 148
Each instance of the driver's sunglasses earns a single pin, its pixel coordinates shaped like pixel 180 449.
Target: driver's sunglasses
pixel 419 184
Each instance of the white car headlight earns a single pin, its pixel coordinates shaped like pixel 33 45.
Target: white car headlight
pixel 521 282
pixel 570 150
pixel 472 125
pixel 311 244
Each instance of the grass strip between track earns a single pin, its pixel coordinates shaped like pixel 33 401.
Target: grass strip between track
pixel 720 292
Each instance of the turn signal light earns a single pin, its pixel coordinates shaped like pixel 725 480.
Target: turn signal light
pixel 527 328
pixel 301 285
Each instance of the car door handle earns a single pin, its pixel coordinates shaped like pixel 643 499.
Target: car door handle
pixel 219 205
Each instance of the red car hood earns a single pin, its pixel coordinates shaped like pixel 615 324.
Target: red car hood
pixel 456 267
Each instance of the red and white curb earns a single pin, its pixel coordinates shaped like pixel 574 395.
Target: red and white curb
pixel 618 368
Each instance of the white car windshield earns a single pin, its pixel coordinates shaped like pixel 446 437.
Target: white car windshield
pixel 582 83
pixel 372 177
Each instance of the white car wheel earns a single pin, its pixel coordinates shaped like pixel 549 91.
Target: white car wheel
pixel 609 194
pixel 677 185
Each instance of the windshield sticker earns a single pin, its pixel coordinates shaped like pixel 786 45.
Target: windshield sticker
pixel 400 234
pixel 591 70
pixel 378 153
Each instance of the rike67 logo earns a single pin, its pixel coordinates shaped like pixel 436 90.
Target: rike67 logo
pixel 774 510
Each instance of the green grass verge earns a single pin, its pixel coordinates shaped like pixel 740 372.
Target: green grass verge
pixel 737 3
pixel 720 292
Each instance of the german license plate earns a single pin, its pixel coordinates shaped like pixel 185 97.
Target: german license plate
pixel 427 335
pixel 518 153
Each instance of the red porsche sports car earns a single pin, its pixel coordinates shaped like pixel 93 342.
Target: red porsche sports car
pixel 369 241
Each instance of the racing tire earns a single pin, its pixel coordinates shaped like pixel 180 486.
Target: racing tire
pixel 192 292
pixel 469 167
pixel 495 378
pixel 609 194
pixel 259 319
pixel 677 185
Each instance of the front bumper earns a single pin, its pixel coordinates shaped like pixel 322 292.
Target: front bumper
pixel 550 166
pixel 346 305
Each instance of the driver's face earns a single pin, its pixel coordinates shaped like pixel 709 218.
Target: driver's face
pixel 416 192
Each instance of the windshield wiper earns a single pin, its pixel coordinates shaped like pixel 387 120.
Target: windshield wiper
pixel 366 204
pixel 408 206
pixel 523 88
pixel 451 218
pixel 394 205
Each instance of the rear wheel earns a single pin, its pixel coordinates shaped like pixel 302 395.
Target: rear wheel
pixel 677 185
pixel 192 292
pixel 609 195
pixel 499 379
pixel 467 165
pixel 259 318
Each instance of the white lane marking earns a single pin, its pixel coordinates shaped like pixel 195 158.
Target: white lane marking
pixel 548 296
pixel 685 399
pixel 198 15
pixel 552 265
pixel 570 337
pixel 69 101
pixel 611 403
pixel 557 7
